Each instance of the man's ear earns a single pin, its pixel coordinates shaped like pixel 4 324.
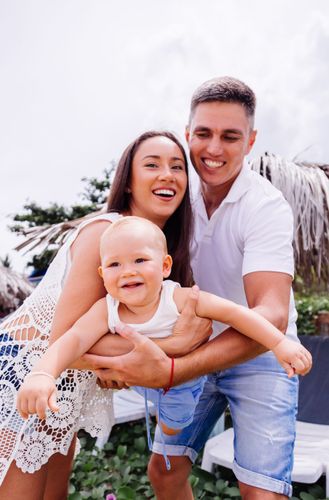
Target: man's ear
pixel 187 133
pixel 251 140
pixel 167 265
pixel 100 271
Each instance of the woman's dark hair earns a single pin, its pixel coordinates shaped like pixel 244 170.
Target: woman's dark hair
pixel 178 228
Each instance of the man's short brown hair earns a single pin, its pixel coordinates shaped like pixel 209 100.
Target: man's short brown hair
pixel 225 89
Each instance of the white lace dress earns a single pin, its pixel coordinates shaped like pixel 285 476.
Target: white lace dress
pixel 23 339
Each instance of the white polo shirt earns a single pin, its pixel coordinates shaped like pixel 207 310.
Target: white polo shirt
pixel 250 231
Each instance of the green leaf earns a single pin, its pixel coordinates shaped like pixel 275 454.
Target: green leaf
pixel 221 485
pixel 140 444
pixel 232 491
pixel 316 491
pixel 125 493
pixel 306 496
pixel 121 451
pixel 210 487
pixel 74 496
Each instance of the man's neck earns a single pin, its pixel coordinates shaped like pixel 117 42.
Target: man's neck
pixel 213 196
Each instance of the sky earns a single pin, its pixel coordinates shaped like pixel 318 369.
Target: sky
pixel 80 79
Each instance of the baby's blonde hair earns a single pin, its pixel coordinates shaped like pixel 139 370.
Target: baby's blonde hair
pixel 135 222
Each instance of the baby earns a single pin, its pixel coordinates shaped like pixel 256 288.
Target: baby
pixel 134 268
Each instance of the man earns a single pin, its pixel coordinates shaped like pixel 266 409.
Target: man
pixel 242 251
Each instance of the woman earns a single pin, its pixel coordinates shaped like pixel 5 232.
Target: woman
pixel 151 182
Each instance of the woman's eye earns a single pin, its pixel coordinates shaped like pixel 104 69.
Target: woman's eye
pixel 151 165
pixel 178 167
pixel 140 260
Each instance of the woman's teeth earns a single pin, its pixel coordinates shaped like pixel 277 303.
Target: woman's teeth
pixel 164 192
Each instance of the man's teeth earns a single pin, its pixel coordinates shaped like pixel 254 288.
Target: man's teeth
pixel 164 192
pixel 214 164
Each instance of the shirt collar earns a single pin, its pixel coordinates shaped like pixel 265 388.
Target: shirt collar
pixel 240 186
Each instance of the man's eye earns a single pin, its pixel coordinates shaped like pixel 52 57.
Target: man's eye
pixel 140 260
pixel 230 138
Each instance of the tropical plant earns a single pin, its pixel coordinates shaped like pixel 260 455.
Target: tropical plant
pixel 119 472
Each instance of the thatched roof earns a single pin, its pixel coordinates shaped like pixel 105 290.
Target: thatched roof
pixel 305 185
pixel 14 288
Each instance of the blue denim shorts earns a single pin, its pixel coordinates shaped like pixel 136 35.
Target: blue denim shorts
pixel 176 407
pixel 263 405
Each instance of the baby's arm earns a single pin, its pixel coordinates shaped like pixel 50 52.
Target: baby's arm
pixel 291 355
pixel 38 391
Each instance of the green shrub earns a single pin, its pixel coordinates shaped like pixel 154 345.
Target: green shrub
pixel 120 468
pixel 308 308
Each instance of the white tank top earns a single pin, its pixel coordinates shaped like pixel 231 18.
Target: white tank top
pixel 161 323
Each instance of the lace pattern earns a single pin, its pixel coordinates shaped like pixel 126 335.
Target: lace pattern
pixel 83 405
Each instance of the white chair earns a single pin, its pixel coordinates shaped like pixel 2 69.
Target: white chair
pixel 128 406
pixel 311 454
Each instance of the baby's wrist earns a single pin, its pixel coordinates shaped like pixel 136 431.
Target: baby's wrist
pixel 278 345
pixel 41 373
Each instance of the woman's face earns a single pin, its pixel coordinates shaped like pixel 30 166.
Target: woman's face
pixel 158 180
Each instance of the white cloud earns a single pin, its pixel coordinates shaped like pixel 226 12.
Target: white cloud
pixel 81 78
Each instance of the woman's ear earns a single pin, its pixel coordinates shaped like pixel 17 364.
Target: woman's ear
pixel 167 265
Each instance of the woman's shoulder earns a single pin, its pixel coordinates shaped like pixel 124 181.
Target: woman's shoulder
pixel 91 231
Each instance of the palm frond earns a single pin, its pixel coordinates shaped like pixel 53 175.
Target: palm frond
pixel 305 186
pixel 14 288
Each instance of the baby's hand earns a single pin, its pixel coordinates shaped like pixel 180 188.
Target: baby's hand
pixel 36 395
pixel 293 357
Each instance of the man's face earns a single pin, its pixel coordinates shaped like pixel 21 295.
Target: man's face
pixel 219 136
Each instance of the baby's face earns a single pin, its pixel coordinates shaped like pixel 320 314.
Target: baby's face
pixel 133 266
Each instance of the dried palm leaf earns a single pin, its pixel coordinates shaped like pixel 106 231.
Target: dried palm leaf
pixel 306 188
pixel 14 288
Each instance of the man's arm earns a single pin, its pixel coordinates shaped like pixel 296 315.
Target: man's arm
pixel 267 293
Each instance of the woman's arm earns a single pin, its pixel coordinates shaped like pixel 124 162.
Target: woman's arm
pixel 83 286
pixel 76 341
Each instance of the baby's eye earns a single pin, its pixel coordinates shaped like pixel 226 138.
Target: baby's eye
pixel 140 260
pixel 113 264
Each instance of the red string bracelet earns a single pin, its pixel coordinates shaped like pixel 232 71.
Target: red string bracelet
pixel 166 389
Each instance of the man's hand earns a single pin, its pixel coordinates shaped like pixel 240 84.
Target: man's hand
pixel 109 384
pixel 146 365
pixel 189 331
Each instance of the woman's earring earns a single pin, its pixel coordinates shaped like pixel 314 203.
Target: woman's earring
pixel 128 190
